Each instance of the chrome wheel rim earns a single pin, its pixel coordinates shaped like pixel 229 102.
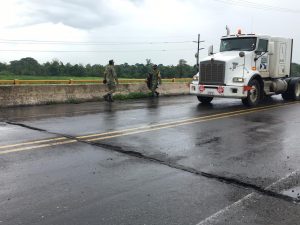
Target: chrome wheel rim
pixel 253 94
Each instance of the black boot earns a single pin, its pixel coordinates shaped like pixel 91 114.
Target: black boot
pixel 157 94
pixel 110 99
pixel 105 97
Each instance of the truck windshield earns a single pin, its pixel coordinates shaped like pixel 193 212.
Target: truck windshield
pixel 238 44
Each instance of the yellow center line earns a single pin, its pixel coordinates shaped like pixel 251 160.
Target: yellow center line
pixel 181 121
pixel 33 142
pixel 138 130
pixel 37 146
pixel 182 124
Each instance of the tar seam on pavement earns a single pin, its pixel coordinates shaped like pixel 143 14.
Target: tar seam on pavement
pixel 136 154
pixel 26 126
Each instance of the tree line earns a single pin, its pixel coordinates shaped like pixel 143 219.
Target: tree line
pixel 30 66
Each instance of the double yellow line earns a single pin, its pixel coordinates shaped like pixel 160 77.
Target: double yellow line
pixel 137 130
pixel 131 131
pixel 34 145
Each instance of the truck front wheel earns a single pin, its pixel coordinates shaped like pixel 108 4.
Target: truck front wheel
pixel 254 96
pixel 293 91
pixel 205 100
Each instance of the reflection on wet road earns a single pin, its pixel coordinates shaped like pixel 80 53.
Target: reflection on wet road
pixel 152 161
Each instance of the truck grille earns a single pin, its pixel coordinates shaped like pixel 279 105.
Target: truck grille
pixel 212 72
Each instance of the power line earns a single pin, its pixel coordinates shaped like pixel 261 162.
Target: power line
pixel 7 41
pixel 258 6
pixel 95 51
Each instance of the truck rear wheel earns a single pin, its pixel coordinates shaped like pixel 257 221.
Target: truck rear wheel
pixel 205 100
pixel 254 96
pixel 293 91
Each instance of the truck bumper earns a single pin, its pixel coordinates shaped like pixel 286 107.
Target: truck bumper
pixel 218 91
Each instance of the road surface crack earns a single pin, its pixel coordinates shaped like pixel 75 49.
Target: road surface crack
pixel 26 126
pixel 223 179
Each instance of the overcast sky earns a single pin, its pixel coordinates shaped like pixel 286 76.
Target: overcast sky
pixel 94 31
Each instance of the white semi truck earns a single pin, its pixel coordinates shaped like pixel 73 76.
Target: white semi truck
pixel 248 67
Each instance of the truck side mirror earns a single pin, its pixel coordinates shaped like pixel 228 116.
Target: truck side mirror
pixel 271 48
pixel 210 50
pixel 258 52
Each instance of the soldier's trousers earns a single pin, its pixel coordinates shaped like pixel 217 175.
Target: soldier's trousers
pixel 111 88
pixel 153 88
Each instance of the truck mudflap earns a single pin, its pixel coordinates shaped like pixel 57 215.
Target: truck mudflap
pixel 219 91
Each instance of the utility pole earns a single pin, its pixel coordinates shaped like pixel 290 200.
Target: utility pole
pixel 198 50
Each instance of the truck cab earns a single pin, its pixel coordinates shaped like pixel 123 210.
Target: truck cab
pixel 248 67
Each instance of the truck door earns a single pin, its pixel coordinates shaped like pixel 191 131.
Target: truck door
pixel 262 63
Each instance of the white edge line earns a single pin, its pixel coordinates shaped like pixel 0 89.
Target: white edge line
pixel 209 220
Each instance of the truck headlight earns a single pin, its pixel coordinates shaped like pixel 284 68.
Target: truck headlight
pixel 196 78
pixel 238 80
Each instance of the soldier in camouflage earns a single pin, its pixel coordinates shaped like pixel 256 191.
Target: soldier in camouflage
pixel 156 80
pixel 111 80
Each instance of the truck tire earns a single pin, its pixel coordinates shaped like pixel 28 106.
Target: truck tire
pixel 293 91
pixel 286 96
pixel 205 100
pixel 254 96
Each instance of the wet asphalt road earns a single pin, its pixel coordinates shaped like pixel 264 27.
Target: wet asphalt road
pixel 152 161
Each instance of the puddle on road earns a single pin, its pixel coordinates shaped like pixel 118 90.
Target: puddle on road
pixel 292 192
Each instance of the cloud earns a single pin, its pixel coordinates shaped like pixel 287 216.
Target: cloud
pixel 136 21
pixel 74 13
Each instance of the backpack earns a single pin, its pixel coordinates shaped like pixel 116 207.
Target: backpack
pixel 149 80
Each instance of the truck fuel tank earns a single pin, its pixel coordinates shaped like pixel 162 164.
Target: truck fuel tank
pixel 278 86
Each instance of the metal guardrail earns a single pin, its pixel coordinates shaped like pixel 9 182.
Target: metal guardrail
pixel 71 81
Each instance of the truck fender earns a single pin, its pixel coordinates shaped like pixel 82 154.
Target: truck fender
pixel 288 80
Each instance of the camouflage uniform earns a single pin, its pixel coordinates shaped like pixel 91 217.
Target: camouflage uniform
pixel 156 79
pixel 111 80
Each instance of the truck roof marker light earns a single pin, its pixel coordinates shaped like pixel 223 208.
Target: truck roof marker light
pixel 239 32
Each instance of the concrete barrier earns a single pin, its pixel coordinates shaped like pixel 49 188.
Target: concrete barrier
pixel 17 95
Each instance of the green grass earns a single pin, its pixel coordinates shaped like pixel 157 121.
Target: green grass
pixel 29 77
